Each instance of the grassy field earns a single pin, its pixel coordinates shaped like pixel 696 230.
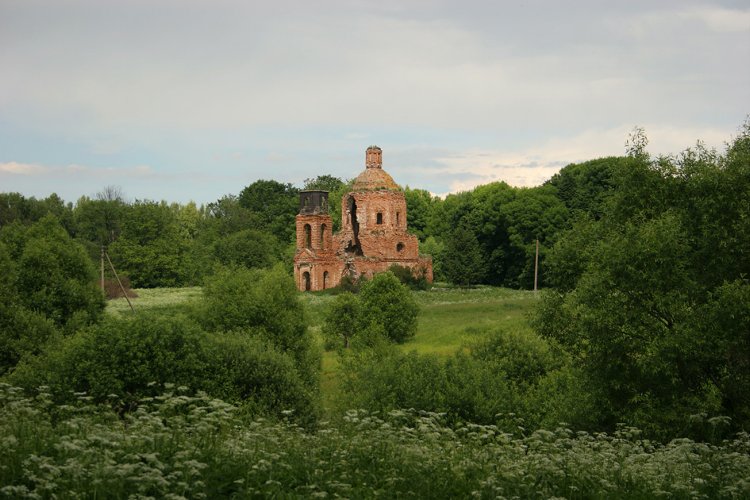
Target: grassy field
pixel 449 318
pixel 154 298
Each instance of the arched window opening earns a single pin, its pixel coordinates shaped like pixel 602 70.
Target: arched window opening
pixel 308 236
pixel 306 280
pixel 379 218
pixel 400 247
pixel 398 218
pixel 322 236
pixel 325 280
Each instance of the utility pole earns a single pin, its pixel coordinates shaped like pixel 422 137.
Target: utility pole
pixel 101 270
pixel 536 267
pixel 119 282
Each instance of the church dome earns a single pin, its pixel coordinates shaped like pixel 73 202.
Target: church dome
pixel 374 177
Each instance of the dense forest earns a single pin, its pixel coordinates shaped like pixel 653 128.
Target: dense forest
pixel 483 236
pixel 632 380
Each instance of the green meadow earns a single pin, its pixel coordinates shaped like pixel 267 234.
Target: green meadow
pixel 449 318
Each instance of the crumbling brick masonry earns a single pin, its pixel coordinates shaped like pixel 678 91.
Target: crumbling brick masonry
pixel 373 233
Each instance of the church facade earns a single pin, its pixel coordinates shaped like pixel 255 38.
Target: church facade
pixel 373 234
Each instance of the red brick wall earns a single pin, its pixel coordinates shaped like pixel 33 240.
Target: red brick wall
pixel 382 236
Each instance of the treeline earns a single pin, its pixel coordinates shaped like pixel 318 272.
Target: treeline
pixel 486 235
pixel 646 320
pixel 158 244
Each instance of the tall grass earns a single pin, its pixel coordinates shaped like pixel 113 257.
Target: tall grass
pixel 176 446
pixel 155 299
pixel 449 319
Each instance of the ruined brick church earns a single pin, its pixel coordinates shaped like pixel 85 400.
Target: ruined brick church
pixel 373 233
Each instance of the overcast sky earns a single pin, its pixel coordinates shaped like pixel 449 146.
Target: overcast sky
pixel 194 99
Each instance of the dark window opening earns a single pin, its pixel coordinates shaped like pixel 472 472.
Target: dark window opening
pixel 306 279
pixel 400 247
pixel 308 236
pixel 379 218
pixel 398 219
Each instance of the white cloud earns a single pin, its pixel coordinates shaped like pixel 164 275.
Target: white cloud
pixel 312 66
pixel 534 165
pixel 16 168
pixel 280 88
pixel 74 170
pixel 721 19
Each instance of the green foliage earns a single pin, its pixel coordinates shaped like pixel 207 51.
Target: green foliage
pixel 507 377
pixel 415 279
pixel 249 248
pixel 382 378
pixel 572 252
pixel 434 248
pixel 14 207
pixel 585 187
pixel 350 284
pixel 336 190
pixel 46 285
pixel 22 332
pixel 323 183
pixel 133 356
pixel 420 206
pixel 239 298
pixel 384 306
pixel 386 302
pixel 718 338
pixel 178 445
pixel 275 204
pixel 124 356
pixel 249 370
pixel 99 221
pixel 54 277
pixel 263 303
pixel 461 260
pixel 642 291
pixel 226 216
pixel 342 320
pixel 151 249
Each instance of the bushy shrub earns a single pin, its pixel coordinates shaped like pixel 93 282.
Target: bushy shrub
pixel 342 320
pixel 22 332
pixel 120 356
pixel 250 370
pixel 55 277
pixel 415 279
pixel 47 287
pixel 350 284
pixel 122 360
pixel 386 302
pixel 506 378
pixel 434 248
pixel 238 298
pixel 263 303
pixel 383 378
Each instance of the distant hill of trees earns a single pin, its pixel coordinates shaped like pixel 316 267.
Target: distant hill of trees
pixel 157 243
